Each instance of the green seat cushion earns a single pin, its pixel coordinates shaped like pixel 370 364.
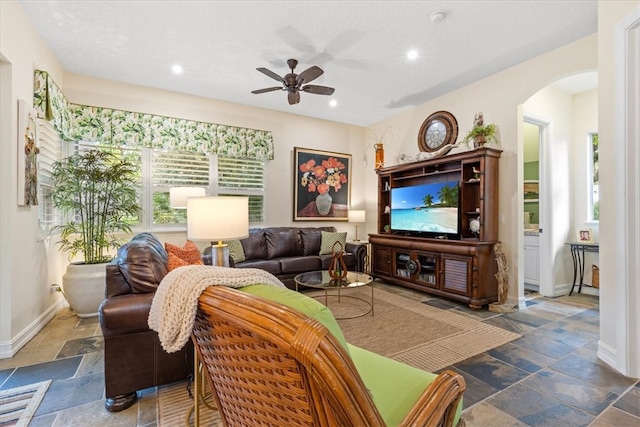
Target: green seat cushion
pixel 394 386
pixel 302 303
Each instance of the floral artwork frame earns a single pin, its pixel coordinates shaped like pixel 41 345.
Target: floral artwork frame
pixel 317 174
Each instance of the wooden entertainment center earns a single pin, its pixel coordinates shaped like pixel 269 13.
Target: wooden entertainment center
pixel 463 268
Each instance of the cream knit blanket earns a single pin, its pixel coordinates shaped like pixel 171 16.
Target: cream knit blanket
pixel 174 306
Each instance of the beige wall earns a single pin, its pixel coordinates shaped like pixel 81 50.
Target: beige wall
pixel 500 98
pixel 619 302
pixel 289 131
pixel 25 273
pixel 30 263
pixel 25 269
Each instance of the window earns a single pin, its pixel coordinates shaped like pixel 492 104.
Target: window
pixel 243 177
pixel 50 146
pixel 160 170
pixel 220 176
pixel 174 169
pixel 594 187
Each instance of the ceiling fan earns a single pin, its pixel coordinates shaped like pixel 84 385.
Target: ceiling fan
pixel 293 83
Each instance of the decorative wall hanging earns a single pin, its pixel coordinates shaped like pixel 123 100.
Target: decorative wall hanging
pixel 27 155
pixel 322 185
pixel 117 127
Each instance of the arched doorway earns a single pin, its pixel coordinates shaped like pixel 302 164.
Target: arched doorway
pixel 565 113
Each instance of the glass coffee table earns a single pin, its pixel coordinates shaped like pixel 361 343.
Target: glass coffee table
pixel 321 280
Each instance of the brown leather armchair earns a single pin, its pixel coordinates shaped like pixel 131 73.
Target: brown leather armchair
pixel 133 357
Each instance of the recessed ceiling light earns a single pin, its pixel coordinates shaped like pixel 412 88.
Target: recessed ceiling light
pixel 177 69
pixel 412 55
pixel 333 103
pixel 438 16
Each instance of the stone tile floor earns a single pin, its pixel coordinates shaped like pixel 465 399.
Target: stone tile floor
pixel 548 377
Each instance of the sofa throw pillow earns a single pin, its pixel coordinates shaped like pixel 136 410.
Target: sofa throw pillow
pixel 236 251
pixel 175 262
pixel 328 240
pixel 189 253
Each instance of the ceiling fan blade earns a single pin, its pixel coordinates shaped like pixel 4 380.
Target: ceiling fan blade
pixel 270 74
pixel 294 97
pixel 318 90
pixel 267 89
pixel 309 74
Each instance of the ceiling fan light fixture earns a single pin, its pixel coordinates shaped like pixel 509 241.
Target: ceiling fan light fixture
pixel 293 83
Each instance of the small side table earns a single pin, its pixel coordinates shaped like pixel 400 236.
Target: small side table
pixel 577 254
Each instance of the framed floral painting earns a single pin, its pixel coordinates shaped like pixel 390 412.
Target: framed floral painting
pixel 322 185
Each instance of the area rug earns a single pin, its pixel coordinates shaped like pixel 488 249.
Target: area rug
pixel 405 330
pixel 411 332
pixel 17 405
pixel 174 403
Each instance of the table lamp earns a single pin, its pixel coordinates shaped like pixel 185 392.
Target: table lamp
pixel 356 217
pixel 178 196
pixel 218 218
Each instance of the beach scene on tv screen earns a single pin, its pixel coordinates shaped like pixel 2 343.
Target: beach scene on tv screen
pixel 425 208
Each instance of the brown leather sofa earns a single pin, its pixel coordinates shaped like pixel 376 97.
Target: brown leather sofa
pixel 288 251
pixel 133 357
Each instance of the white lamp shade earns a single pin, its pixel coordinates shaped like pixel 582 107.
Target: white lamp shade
pixel 356 216
pixel 178 196
pixel 217 218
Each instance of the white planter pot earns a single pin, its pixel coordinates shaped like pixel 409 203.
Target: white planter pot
pixel 84 287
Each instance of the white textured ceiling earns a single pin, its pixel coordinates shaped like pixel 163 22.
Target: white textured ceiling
pixel 361 46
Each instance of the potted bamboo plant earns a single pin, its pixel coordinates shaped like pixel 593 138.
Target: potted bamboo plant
pixel 99 189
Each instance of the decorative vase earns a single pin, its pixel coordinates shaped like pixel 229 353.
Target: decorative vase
pixel 337 265
pixel 84 286
pixel 379 155
pixel 323 203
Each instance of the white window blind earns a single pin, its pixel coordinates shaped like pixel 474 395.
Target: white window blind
pixel 243 177
pixel 50 146
pixel 175 169
pixel 161 170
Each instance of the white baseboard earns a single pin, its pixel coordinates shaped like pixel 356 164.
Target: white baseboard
pixel 586 289
pixel 561 289
pixel 608 355
pixel 9 348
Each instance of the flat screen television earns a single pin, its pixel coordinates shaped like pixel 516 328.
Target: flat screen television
pixel 426 210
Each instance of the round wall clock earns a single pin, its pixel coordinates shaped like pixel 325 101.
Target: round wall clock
pixel 438 130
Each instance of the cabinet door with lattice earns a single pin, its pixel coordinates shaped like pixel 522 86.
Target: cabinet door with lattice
pixel 456 272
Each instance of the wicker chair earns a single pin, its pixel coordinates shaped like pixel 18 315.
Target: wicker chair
pixel 270 365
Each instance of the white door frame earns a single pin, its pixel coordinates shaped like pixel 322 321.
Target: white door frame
pixel 545 276
pixel 627 133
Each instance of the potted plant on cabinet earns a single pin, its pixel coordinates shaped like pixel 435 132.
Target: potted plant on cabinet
pixel 480 133
pixel 99 189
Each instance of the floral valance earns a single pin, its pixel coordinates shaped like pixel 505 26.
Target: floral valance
pixel 117 127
